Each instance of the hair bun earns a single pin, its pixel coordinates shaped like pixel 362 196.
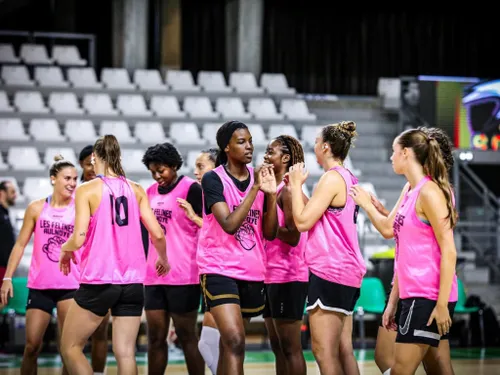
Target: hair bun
pixel 348 128
pixel 58 157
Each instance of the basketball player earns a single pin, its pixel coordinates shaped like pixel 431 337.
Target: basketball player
pixel 52 220
pixel 208 345
pixel 176 295
pixel 239 213
pixel 436 360
pixel 100 336
pixel 286 271
pixel 113 264
pixel 426 255
pixel 332 253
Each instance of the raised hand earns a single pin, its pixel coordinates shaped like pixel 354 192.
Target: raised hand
pixel 297 174
pixel 267 178
pixel 186 206
pixel 360 196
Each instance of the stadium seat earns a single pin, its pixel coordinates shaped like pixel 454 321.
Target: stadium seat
pixel 80 131
pixel 389 90
pixel 99 104
pixel 150 133
pixel 30 102
pixel 276 83
pixel 348 164
pixel 181 80
pixel 296 110
pixel 12 130
pixel 24 159
pixel 232 108
pixel 133 105
pixel 208 132
pixel 276 130
pixel 199 107
pixel 37 187
pixel 67 153
pixel 3 164
pixel 119 129
pixel 258 135
pixel 67 56
pixel 148 79
pixel 16 75
pixel 7 54
pixel 312 164
pixel 132 160
pixel 50 76
pixel 264 109
pixel 191 159
pixel 116 78
pixel 244 83
pixel 4 103
pixel 65 102
pixel 185 133
pixel 166 106
pixel 45 130
pixel 35 54
pixel 83 78
pixel 309 134
pixel 372 296
pixel 213 82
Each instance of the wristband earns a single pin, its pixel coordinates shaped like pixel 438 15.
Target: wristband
pixel 7 279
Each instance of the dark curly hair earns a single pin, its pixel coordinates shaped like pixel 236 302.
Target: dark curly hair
pixel 165 154
pixel 445 144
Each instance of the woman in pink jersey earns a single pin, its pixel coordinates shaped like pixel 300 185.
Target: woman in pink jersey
pixel 332 254
pixel 424 249
pixel 239 213
pixel 107 228
pixel 208 345
pixel 286 270
pixel 176 295
pixel 52 221
pixel 435 361
pixel 100 336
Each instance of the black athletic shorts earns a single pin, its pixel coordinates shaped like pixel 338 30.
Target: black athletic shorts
pixel 47 299
pixel 220 290
pixel 331 296
pixel 177 299
pixel 412 327
pixel 285 300
pixel 398 309
pixel 123 299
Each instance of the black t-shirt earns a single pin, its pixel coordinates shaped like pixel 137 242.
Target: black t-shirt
pixel 213 190
pixel 194 198
pixel 8 238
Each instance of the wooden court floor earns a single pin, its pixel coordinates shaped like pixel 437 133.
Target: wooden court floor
pixel 465 362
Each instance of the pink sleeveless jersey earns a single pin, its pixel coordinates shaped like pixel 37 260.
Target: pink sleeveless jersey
pixel 113 252
pixel 53 228
pixel 240 256
pixel 332 251
pixel 181 234
pixel 285 263
pixel 418 256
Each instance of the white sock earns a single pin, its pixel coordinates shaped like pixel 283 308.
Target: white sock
pixel 209 347
pixel 387 372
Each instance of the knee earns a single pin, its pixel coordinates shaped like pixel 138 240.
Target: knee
pixel 289 348
pixel 346 350
pixel 122 351
pixel 32 348
pixel 383 360
pixel 322 353
pixel 234 343
pixel 275 345
pixel 157 338
pixel 186 334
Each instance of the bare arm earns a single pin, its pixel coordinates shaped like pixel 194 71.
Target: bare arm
pixel 82 219
pixel 30 216
pixel 150 223
pixel 270 220
pixel 305 215
pixel 433 205
pixel 289 233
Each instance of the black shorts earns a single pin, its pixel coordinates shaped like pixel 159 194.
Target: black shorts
pixel 220 290
pixel 412 327
pixel 398 309
pixel 331 296
pixel 285 300
pixel 47 299
pixel 177 299
pixel 123 299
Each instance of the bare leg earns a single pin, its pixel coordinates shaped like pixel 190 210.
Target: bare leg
pixel 274 339
pixel 185 327
pixel 384 349
pixel 349 363
pixel 62 310
pixel 37 322
pixel 437 361
pixel 100 346
pixel 125 331
pixel 289 338
pixel 78 326
pixel 158 323
pixel 407 358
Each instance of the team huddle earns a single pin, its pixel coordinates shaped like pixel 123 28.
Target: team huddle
pixel 238 242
